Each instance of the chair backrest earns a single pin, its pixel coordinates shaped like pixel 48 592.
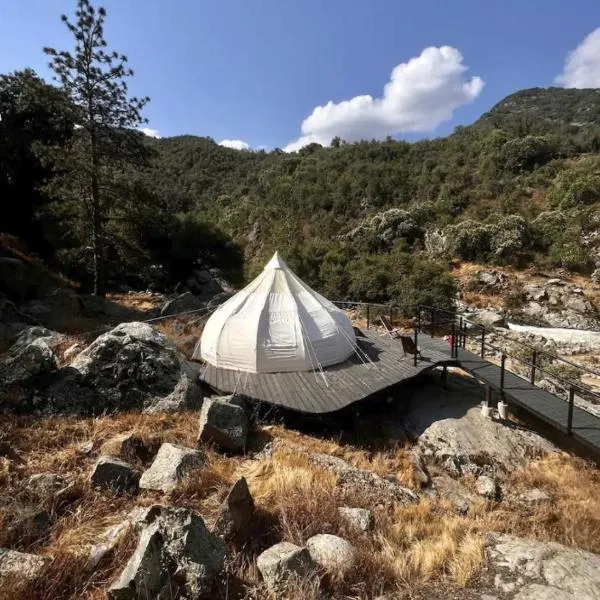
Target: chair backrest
pixel 407 344
pixel 386 323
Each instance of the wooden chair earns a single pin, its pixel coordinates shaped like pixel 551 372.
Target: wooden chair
pixel 408 346
pixel 389 329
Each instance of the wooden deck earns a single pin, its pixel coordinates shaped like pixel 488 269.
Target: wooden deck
pixel 543 405
pixel 338 386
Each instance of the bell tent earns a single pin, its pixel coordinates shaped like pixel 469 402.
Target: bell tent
pixel 276 324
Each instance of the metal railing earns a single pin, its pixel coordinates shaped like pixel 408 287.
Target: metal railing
pixel 462 328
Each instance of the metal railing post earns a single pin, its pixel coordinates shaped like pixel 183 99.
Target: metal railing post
pixel 502 369
pixel 482 342
pixel 533 363
pixel 464 345
pixel 368 315
pixel 453 345
pixel 570 414
pixel 459 340
pixel 416 346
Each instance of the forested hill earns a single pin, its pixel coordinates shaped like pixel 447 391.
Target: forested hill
pixel 373 220
pixel 520 185
pixel 545 110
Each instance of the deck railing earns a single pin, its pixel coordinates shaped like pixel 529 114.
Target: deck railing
pixel 458 328
pixel 438 321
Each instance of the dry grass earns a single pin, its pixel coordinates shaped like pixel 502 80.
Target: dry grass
pixel 410 548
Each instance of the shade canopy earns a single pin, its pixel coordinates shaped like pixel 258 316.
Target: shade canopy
pixel 277 323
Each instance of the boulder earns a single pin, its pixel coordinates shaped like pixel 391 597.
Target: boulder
pixel 452 490
pixel 236 512
pixel 223 424
pixel 127 446
pixel 30 334
pixel 20 568
pixel 176 557
pixel 535 496
pixel 45 485
pixel 489 318
pixel 132 366
pixel 55 309
pixel 284 561
pixel 358 519
pixel 486 486
pixel 533 570
pixel 183 303
pixel 115 474
pixel 331 552
pixel 29 365
pixel 169 467
pixel 144 574
pixel 196 554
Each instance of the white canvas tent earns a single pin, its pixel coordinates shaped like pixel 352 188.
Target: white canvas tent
pixel 276 324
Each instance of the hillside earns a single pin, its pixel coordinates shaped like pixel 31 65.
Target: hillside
pixel 520 186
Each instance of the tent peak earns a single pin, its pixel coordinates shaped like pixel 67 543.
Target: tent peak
pixel 276 262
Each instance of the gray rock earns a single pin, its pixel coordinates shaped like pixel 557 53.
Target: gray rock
pixel 282 562
pixel 19 567
pixel 351 478
pixel 196 554
pixel 170 465
pixel 359 519
pixel 132 366
pixel 176 557
pixel 27 366
pixel 45 484
pixel 223 424
pixel 115 474
pixel 237 511
pixel 535 496
pixel 543 570
pixel 331 552
pixel 144 575
pixel 452 490
pixel 107 542
pixel 183 303
pixel 486 486
pixel 30 334
pixel 127 446
pixel 489 318
pixel 418 467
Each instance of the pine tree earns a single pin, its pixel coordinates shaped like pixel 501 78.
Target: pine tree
pixel 95 80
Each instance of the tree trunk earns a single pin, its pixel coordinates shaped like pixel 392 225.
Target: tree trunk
pixel 97 233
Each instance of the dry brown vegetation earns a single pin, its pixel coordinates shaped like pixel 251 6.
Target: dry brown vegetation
pixel 411 546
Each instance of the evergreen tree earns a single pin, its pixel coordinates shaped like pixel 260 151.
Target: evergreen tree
pixel 95 80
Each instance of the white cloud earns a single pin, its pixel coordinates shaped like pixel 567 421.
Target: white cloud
pixel 421 94
pixel 582 65
pixel 235 144
pixel 150 132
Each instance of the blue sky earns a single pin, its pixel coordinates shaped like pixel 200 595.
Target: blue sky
pixel 254 70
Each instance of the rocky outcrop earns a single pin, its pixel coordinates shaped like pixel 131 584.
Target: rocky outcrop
pixel 451 431
pixel 18 568
pixel 177 557
pixel 29 365
pixel 28 335
pixel 224 424
pixel 532 570
pixel 171 464
pixel 282 562
pixel 357 519
pixel 236 512
pixel 132 366
pixel 331 552
pixel 183 303
pixel 114 474
pixel 367 482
